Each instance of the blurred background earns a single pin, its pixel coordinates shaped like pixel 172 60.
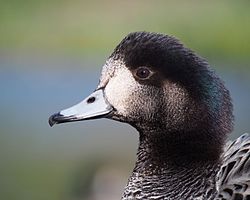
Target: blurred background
pixel 51 54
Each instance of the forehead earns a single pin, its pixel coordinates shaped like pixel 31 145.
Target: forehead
pixel 147 49
pixel 108 70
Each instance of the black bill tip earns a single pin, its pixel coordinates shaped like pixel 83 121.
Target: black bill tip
pixel 58 118
pixel 55 119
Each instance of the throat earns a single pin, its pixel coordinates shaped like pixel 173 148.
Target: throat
pixel 175 166
pixel 178 149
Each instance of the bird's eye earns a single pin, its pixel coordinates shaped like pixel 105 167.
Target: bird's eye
pixel 143 73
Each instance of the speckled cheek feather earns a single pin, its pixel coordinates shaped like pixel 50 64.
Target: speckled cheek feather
pixel 117 91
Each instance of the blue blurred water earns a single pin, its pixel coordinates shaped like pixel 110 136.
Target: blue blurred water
pixel 29 96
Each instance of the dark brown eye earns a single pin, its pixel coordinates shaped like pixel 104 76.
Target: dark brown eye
pixel 143 73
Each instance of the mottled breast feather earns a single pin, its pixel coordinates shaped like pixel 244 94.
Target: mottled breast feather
pixel 234 176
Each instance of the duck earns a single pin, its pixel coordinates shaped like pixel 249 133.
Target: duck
pixel 183 113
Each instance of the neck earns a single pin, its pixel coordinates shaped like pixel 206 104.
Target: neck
pixel 175 162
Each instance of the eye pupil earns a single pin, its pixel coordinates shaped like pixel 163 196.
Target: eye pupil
pixel 142 73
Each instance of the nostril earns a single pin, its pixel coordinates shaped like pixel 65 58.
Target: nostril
pixel 91 100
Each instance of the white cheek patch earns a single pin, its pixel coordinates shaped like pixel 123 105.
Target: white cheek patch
pixel 119 89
